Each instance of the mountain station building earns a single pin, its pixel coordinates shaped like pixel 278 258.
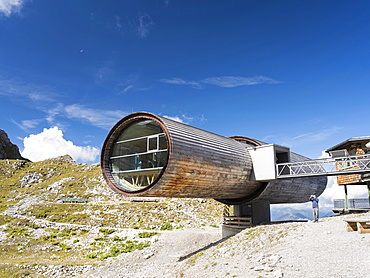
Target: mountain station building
pixel 355 146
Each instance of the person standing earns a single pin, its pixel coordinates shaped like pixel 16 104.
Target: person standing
pixel 315 207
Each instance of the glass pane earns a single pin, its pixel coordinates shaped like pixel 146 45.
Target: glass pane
pixel 130 147
pixel 162 142
pixel 126 163
pixel 137 162
pixel 152 143
pixel 140 128
pixel 161 158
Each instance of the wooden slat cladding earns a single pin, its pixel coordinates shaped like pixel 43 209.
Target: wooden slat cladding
pixel 204 165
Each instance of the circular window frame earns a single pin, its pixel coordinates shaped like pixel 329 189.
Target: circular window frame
pixel 107 148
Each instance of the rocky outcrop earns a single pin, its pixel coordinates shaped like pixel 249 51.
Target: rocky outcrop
pixel 7 149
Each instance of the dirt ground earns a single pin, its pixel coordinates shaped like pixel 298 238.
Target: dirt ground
pixel 304 249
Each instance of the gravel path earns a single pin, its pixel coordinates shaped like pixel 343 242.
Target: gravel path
pixel 325 249
pixel 307 249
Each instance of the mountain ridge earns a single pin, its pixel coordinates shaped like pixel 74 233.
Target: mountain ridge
pixel 8 150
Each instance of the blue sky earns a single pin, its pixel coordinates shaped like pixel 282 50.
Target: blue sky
pixel 294 73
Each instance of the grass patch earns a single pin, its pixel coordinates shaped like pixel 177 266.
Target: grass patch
pixel 147 234
pixel 92 256
pixel 107 231
pixel 5 219
pixel 194 258
pixel 168 226
pixel 127 247
pixel 14 231
pixel 67 233
pixel 100 238
pixel 12 270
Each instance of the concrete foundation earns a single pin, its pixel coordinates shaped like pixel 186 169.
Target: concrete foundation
pixel 228 231
pixel 258 212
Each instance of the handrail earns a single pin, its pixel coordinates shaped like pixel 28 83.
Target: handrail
pixel 355 164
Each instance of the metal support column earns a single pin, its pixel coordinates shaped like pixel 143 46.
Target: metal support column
pixel 261 213
pixel 346 195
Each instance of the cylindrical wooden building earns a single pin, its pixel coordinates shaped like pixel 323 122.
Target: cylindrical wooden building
pixel 148 155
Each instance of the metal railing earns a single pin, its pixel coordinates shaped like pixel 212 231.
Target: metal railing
pixel 355 164
pixel 352 203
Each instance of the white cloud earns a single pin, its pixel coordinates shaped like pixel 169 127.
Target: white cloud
pixel 324 154
pixel 179 81
pixel 236 81
pixel 174 118
pixel 20 90
pixel 309 138
pixel 268 138
pixel 332 191
pixel 222 81
pixel 143 25
pixel 52 112
pixel 104 72
pixel 50 143
pixel 185 119
pixel 335 191
pixel 25 125
pixel 97 117
pixel 7 7
pixel 118 21
pixel 43 99
pixel 129 87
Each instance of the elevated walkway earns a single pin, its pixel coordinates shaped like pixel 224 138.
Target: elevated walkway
pixel 340 163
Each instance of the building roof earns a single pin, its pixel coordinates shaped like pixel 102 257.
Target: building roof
pixel 350 140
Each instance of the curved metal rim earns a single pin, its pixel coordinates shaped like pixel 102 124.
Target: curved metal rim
pixel 246 199
pixel 112 135
pixel 250 140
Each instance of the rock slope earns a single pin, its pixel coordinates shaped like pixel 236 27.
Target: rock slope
pixel 116 236
pixel 7 149
pixel 41 234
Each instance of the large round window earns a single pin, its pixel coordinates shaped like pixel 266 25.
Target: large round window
pixel 138 155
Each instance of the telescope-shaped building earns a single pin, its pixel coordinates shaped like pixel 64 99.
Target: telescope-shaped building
pixel 151 156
